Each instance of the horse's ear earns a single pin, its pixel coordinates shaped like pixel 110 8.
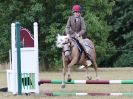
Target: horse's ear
pixel 58 35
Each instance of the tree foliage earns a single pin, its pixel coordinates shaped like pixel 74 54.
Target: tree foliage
pixel 108 28
pixel 122 32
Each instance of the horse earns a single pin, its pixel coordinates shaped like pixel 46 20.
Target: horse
pixel 72 56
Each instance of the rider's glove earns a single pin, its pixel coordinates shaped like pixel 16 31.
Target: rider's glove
pixel 77 35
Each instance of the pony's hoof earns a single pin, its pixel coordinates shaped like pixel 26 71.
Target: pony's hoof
pixel 69 79
pixel 97 78
pixel 89 78
pixel 62 86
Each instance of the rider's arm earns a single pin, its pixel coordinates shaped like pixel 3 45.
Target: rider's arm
pixel 68 27
pixel 83 27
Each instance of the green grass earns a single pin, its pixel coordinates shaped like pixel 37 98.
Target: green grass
pixel 104 73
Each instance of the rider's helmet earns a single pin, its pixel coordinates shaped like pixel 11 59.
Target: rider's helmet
pixel 76 8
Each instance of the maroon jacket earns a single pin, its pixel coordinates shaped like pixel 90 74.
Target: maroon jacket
pixel 75 25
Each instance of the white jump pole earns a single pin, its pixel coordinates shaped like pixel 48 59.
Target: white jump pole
pixel 14 69
pixel 36 55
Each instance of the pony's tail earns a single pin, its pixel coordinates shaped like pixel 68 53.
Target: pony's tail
pixel 88 37
pixel 85 36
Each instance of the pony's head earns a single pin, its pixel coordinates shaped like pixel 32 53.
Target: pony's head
pixel 61 40
pixel 64 43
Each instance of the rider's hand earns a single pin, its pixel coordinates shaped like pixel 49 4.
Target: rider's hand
pixel 68 35
pixel 77 35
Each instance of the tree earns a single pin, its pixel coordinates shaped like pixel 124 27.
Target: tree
pixel 52 16
pixel 122 32
pixel 96 13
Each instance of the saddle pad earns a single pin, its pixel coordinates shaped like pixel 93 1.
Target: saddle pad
pixel 77 44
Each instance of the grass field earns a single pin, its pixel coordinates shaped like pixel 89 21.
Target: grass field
pixel 104 73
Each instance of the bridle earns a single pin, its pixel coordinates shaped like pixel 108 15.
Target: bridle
pixel 67 47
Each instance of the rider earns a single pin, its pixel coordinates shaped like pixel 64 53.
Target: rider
pixel 76 26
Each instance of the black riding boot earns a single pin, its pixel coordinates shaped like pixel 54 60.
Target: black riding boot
pixel 88 56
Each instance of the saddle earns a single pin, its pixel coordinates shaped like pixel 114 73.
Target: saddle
pixel 80 48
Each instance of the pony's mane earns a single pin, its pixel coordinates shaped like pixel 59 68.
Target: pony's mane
pixel 60 40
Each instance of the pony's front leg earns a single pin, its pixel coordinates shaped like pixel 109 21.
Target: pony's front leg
pixel 69 75
pixel 69 69
pixel 64 73
pixel 65 67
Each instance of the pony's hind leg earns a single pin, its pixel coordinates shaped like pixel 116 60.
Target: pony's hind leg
pixel 95 68
pixel 87 73
pixel 85 65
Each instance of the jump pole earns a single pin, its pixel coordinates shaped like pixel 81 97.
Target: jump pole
pixel 87 82
pixel 87 94
pixel 18 58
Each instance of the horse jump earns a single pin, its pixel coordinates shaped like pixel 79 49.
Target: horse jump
pixel 87 82
pixel 87 94
pixel 29 59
